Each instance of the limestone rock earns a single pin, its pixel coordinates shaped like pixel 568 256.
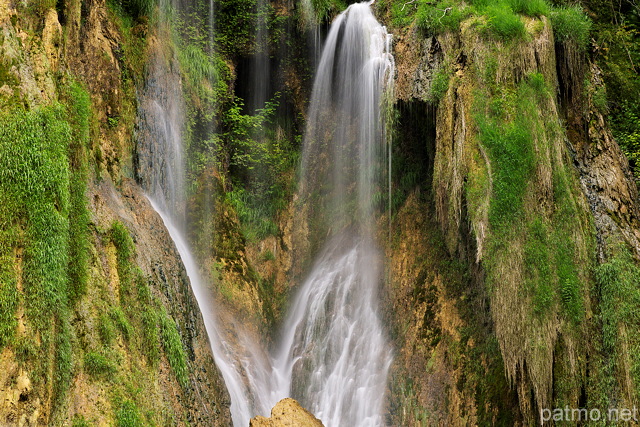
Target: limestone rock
pixel 287 412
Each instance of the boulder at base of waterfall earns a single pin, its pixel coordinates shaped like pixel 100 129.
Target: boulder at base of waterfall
pixel 287 412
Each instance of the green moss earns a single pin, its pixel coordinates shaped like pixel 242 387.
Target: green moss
pixel 80 421
pixel 511 148
pixel 530 7
pixel 79 116
pixel 512 131
pixel 64 360
pixel 34 209
pixel 149 331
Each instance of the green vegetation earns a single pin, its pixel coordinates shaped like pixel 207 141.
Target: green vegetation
pixel 125 250
pixel 235 23
pixel 174 349
pixel 150 334
pixel 444 16
pixel 440 83
pixel 570 23
pixel 129 415
pixel 503 23
pixel 261 164
pixel 79 109
pixel 510 129
pixel 326 9
pixel 99 365
pixel 616 50
pixel 618 281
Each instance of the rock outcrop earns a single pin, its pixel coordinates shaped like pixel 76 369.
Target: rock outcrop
pixel 287 412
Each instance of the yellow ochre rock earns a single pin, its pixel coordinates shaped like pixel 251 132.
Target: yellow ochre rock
pixel 287 412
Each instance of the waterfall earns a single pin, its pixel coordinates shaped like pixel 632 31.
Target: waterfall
pixel 160 168
pixel 334 357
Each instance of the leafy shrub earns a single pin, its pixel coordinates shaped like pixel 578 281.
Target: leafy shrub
pixel 570 23
pixel 627 134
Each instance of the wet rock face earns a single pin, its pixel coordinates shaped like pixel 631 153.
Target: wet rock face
pixel 287 412
pixel 604 175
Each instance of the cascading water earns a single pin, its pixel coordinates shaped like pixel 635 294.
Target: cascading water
pixel 161 172
pixel 334 356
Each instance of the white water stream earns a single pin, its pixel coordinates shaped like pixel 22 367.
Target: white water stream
pixel 333 356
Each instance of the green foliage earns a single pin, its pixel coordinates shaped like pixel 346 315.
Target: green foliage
pixel 174 349
pixel 121 322
pixel 627 133
pixel 255 218
pixel 537 259
pixel 34 207
pixel 530 7
pixel 79 114
pixel 235 26
pixel 510 128
pixel 511 148
pixel 106 330
pixel 128 415
pixel 99 365
pixel 444 16
pixel 261 163
pixel 206 76
pixel 440 83
pixel 136 8
pixel 64 358
pixel 80 421
pixel 150 334
pixel 618 280
pixel 570 23
pixel 503 23
pixel 125 250
pixel 326 9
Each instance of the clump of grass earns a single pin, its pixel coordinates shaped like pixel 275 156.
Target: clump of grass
pixel 125 249
pixel 128 415
pixel 174 349
pixel 440 83
pixel 98 365
pixel 444 16
pixel 503 23
pixel 106 330
pixel 570 23
pixel 530 7
pixel 121 322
